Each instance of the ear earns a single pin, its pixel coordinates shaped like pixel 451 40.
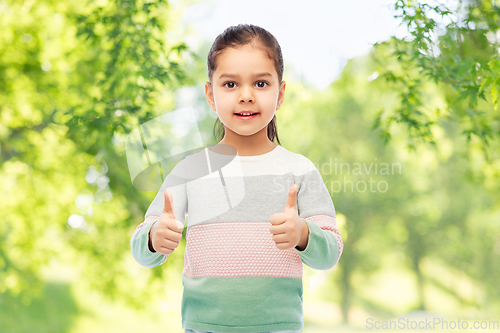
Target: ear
pixel 209 94
pixel 281 95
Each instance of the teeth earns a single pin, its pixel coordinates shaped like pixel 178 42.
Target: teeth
pixel 245 114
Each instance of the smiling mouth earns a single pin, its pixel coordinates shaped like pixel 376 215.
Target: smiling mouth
pixel 246 114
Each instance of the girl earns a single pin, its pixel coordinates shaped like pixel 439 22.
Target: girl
pixel 254 222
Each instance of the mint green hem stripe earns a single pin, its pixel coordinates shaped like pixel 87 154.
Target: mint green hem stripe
pixel 242 304
pixel 243 329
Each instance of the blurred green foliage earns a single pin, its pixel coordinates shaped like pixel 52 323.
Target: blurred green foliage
pixel 75 79
pixel 463 55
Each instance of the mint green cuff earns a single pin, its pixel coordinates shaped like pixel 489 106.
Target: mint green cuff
pixel 139 243
pixel 322 249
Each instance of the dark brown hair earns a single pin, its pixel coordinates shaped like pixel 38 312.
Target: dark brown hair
pixel 239 35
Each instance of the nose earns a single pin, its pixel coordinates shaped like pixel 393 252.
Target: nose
pixel 246 94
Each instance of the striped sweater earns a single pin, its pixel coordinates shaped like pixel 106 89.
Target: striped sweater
pixel 235 278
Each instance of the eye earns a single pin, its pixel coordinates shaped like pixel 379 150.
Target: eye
pixel 224 84
pixel 231 82
pixel 267 83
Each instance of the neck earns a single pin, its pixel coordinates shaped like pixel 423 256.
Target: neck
pixel 250 145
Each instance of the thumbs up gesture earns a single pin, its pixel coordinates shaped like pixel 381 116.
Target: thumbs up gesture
pixel 287 228
pixel 166 232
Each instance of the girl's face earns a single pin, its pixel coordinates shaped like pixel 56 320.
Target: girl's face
pixel 245 80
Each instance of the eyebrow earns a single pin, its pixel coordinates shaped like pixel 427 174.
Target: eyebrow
pixel 236 75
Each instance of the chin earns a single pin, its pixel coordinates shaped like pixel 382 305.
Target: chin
pixel 248 132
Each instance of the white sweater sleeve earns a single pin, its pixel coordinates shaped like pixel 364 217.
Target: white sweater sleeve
pixel 175 182
pixel 315 206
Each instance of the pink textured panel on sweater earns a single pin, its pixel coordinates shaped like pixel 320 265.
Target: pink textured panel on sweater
pixel 237 249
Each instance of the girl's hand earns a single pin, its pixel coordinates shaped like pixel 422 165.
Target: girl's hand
pixel 166 233
pixel 288 229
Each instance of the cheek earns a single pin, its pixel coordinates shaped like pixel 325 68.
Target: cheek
pixel 272 97
pixel 269 102
pixel 224 99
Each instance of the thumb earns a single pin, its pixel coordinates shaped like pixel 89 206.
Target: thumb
pixel 292 197
pixel 169 203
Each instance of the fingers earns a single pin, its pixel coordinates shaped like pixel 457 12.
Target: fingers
pixel 280 238
pixel 278 218
pixel 176 225
pixel 170 228
pixel 165 246
pixel 169 245
pixel 164 250
pixel 165 240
